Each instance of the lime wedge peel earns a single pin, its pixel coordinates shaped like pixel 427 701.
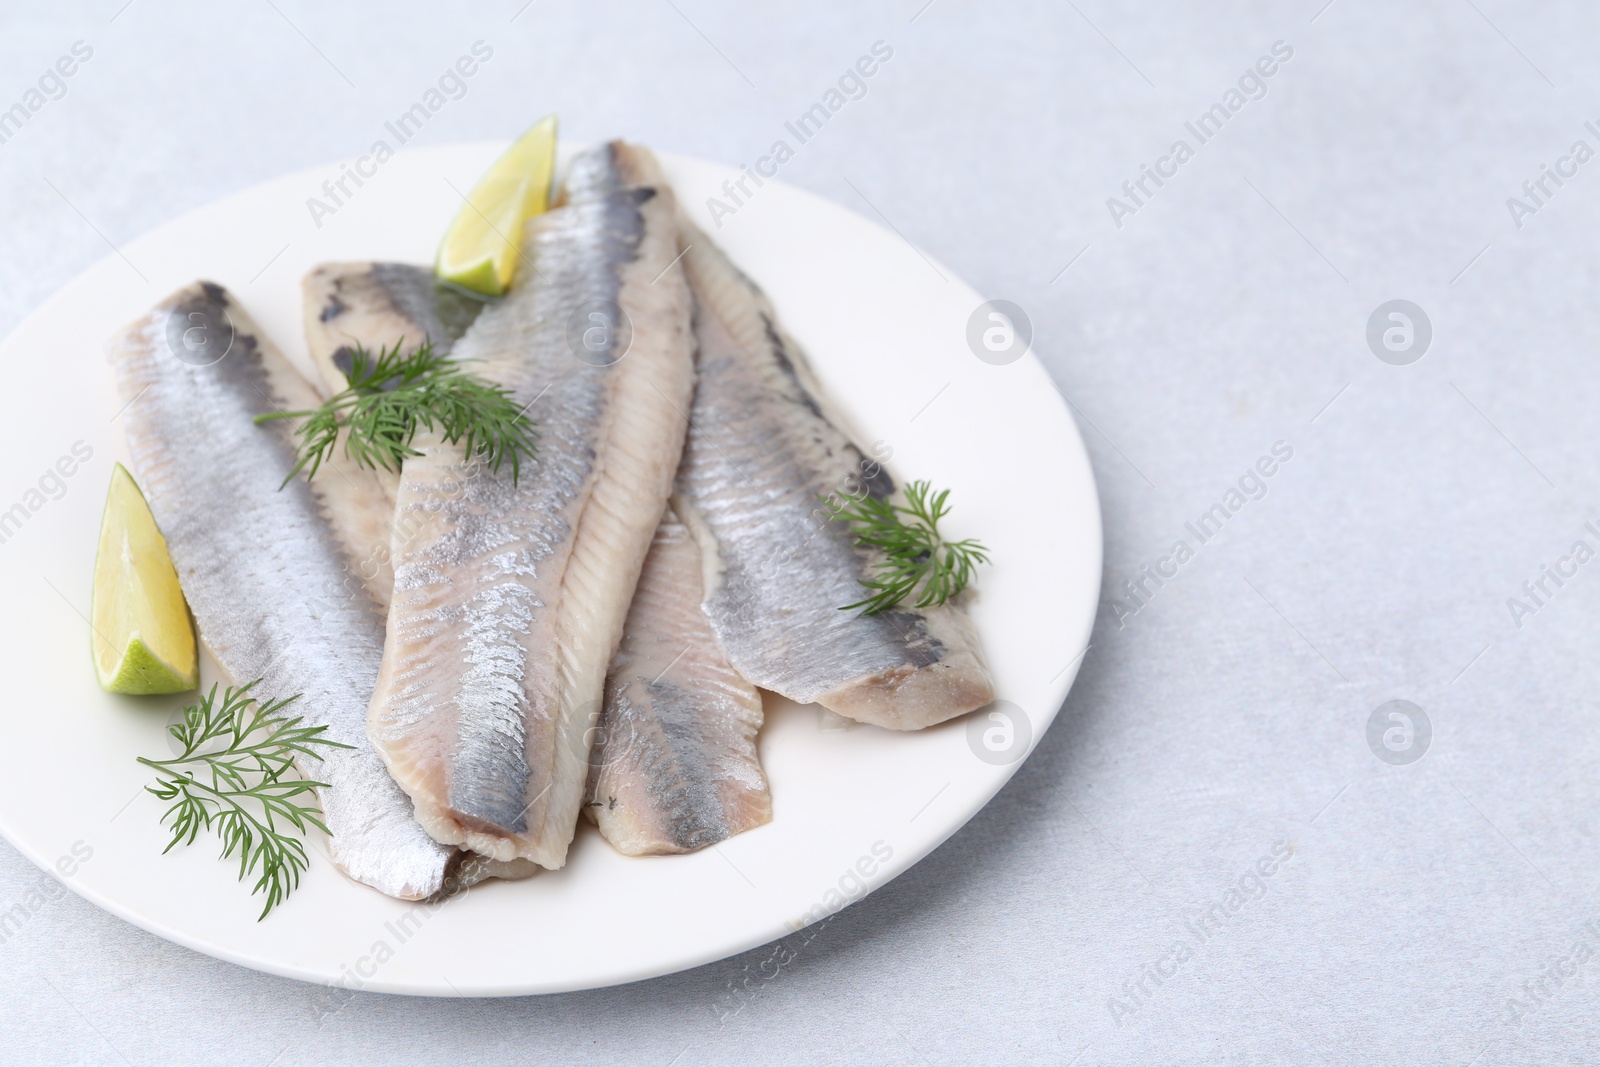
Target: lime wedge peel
pixel 480 250
pixel 143 639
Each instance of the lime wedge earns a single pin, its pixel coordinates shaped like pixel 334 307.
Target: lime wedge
pixel 143 639
pixel 480 250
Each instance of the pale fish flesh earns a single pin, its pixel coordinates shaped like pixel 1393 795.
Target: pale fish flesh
pixel 261 567
pixel 762 457
pixel 373 306
pixel 510 599
pixel 674 760
pixel 674 764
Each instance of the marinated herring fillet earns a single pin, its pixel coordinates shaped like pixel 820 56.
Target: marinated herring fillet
pixel 374 306
pixel 510 598
pixel 674 767
pixel 674 759
pixel 264 576
pixel 761 458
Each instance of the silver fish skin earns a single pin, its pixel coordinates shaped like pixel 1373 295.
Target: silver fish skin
pixel 674 767
pixel 674 759
pixel 510 600
pixel 610 168
pixel 261 567
pixel 373 306
pixel 763 454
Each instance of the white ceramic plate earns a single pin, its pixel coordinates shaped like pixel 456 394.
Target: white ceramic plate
pixel 852 808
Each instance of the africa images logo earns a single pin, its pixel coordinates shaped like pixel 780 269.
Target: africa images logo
pixel 1399 732
pixel 1399 332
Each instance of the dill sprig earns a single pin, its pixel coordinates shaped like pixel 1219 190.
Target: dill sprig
pixel 914 553
pixel 229 778
pixel 395 394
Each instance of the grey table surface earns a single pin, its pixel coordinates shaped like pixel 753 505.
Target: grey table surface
pixel 1432 879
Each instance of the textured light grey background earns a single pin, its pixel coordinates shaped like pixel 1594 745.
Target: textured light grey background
pixel 1430 913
